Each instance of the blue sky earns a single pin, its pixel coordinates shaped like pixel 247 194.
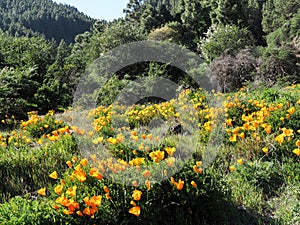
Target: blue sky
pixel 99 9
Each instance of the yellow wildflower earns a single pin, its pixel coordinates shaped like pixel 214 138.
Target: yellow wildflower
pixel 84 162
pixel 69 163
pixel 233 138
pixel 71 191
pixel 42 191
pixel 265 150
pixel 54 175
pixel 137 195
pixel 240 161
pixel 288 132
pixel 297 151
pixel 148 184
pixel 194 184
pixel 268 129
pixel 291 110
pixel 170 150
pixel 280 138
pixel 58 189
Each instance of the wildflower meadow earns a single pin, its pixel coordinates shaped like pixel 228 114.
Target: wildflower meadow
pixel 131 174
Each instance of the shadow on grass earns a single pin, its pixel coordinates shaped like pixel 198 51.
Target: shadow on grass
pixel 211 209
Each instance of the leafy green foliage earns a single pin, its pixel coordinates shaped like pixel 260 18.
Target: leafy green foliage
pixel 26 52
pixel 276 13
pixel 227 12
pixel 220 38
pixel 285 35
pixel 195 17
pixel 17 92
pixel 24 61
pixel 32 212
pixel 110 90
pixel 163 34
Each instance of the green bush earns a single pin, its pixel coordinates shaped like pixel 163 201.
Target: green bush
pixel 163 34
pixel 222 37
pixel 29 211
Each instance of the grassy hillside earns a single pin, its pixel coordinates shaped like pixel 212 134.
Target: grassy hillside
pixel 229 158
pixel 252 179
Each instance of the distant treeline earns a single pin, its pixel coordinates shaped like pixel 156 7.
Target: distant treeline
pixel 42 17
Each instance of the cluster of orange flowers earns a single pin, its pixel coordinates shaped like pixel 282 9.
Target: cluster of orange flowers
pixel 179 185
pixel 47 127
pixel 68 197
pixel 34 118
pixel 252 122
pixel 245 119
pixel 255 125
pixel 197 168
pixel 135 210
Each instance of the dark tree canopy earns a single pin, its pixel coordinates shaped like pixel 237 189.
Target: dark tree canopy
pixel 42 17
pixel 45 47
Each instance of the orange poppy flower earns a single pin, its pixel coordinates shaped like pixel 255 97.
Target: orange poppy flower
pixel 84 162
pixel 297 151
pixel 69 164
pixel 147 173
pixel 137 195
pixel 136 210
pixel 194 184
pixel 58 189
pixel 197 170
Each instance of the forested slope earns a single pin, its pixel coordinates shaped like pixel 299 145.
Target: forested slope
pixel 241 41
pixel 42 17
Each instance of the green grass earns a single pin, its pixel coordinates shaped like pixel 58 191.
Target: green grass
pixel 23 169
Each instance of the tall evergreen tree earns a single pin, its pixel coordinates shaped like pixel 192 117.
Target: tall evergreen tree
pixel 277 12
pixel 134 10
pixel 227 12
pixel 195 16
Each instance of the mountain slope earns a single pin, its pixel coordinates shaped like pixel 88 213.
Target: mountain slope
pixel 35 17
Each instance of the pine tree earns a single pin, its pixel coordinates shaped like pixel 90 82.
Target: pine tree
pixel 228 12
pixel 195 17
pixel 277 12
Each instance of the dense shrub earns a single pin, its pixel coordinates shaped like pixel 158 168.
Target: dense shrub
pixel 163 34
pixel 279 66
pixel 222 37
pixel 232 71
